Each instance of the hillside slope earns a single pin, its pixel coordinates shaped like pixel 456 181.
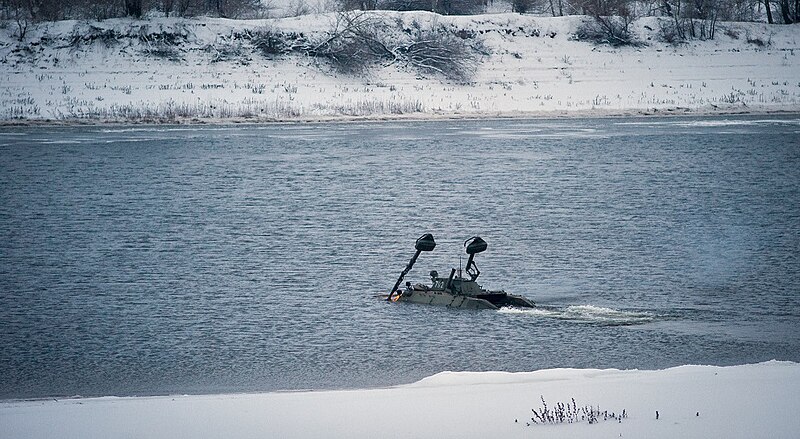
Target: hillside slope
pixel 211 69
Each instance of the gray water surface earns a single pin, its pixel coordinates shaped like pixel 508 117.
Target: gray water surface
pixel 158 260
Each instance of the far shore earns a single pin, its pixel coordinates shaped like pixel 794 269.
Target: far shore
pixel 415 117
pixel 529 68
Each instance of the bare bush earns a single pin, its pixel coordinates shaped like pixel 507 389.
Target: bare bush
pixel 164 51
pixel 758 42
pixel 352 5
pixel 445 7
pixel 298 8
pixel 16 11
pixel 522 6
pixel 460 7
pixel 134 8
pixel 696 18
pixel 355 43
pixel 437 50
pixel 52 10
pixel 610 23
pixel 671 32
pixel 611 30
pixel 22 27
pixel 739 10
pixel 361 40
pixel 97 10
pixel 83 35
pixel 406 5
pixel 233 8
pixel 227 50
pixel 269 42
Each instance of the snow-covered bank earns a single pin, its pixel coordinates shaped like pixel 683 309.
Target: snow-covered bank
pixel 751 401
pixel 187 69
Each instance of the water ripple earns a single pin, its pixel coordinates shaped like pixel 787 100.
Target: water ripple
pixel 153 260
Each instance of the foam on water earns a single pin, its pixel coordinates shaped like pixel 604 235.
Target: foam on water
pixel 162 129
pixel 60 142
pixel 537 132
pixel 586 313
pixel 726 123
pixel 713 123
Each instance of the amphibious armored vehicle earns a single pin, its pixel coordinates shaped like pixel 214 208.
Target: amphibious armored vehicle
pixel 454 290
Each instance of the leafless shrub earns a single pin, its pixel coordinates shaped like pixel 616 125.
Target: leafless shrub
pixel 355 43
pixel 108 37
pixel 695 18
pixel 610 23
pixel 165 45
pixel 611 30
pixel 361 40
pixel 164 51
pixel 758 42
pixel 22 27
pixel 298 8
pixel 353 5
pixel 437 50
pixel 98 10
pixel 229 48
pixel 226 51
pixel 52 10
pixel 16 11
pixel 228 8
pixel 522 6
pixel 176 36
pixel 671 32
pixel 270 42
pixel 447 7
pixel 78 37
pixel 731 33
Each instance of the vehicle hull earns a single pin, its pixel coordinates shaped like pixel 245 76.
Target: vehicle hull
pixel 490 300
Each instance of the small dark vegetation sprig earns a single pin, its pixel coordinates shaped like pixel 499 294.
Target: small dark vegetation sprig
pixel 571 413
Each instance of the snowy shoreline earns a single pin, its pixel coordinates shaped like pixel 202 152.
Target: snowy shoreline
pixel 533 67
pixel 417 117
pixel 758 400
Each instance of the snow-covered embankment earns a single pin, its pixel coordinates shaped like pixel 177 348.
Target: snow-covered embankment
pixel 184 69
pixel 751 401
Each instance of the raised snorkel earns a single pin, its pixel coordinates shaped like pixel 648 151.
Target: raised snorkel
pixel 425 243
pixel 474 245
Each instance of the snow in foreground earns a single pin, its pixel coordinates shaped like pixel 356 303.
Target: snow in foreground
pixel 533 66
pixel 751 401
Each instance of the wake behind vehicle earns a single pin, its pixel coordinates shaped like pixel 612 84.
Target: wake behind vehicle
pixel 454 291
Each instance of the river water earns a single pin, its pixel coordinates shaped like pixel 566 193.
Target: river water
pixel 206 259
